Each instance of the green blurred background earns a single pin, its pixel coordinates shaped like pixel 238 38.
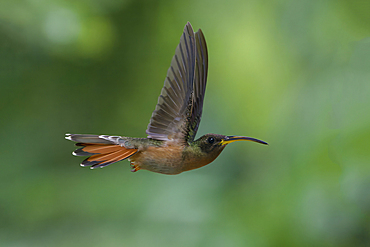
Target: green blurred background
pixel 293 73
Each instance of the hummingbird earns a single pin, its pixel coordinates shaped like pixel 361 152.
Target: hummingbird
pixel 170 147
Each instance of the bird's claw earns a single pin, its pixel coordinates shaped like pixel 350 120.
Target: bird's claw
pixel 134 167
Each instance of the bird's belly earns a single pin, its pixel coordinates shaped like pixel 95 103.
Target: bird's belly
pixel 165 160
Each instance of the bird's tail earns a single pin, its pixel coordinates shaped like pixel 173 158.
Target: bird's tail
pixel 102 149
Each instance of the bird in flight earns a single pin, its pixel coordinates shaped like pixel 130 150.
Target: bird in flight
pixel 171 147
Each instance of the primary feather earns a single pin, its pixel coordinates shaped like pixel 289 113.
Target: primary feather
pixel 179 108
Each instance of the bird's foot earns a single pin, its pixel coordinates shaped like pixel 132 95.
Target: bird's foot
pixel 134 167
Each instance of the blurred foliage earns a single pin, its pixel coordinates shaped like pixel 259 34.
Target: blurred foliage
pixel 293 73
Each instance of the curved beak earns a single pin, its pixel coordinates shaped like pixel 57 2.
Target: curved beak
pixel 230 139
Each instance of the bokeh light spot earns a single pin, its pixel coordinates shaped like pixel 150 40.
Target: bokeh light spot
pixel 62 26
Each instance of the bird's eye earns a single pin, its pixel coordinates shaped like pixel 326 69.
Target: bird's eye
pixel 210 140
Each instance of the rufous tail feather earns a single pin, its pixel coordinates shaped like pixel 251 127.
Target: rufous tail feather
pixel 102 150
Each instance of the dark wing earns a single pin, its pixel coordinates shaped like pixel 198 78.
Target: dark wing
pixel 201 71
pixel 179 109
pixel 170 115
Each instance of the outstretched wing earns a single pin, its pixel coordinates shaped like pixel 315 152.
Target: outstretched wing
pixel 179 109
pixel 169 116
pixel 201 71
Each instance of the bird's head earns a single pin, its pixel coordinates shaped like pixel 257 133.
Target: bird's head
pixel 211 145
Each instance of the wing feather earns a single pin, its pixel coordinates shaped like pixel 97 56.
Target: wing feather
pixel 179 109
pixel 200 81
pixel 170 113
